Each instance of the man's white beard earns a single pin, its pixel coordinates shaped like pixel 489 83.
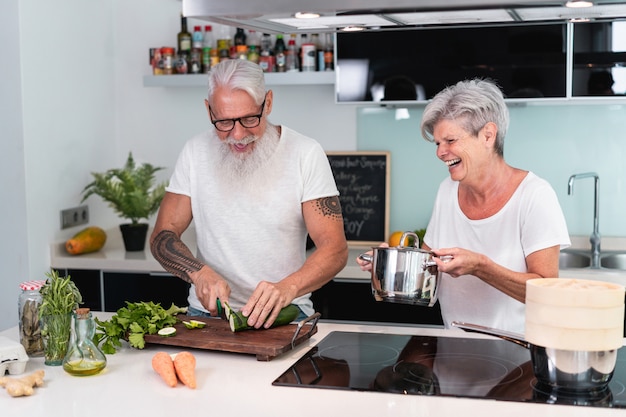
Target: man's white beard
pixel 238 167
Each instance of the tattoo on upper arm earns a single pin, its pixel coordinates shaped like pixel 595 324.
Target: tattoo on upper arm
pixel 173 255
pixel 329 207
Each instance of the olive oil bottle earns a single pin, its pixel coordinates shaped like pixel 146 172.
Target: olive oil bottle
pixel 83 357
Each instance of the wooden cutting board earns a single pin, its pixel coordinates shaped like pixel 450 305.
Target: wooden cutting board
pixel 216 335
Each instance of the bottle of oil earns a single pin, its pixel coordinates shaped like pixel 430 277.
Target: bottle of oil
pixel 83 357
pixel 184 38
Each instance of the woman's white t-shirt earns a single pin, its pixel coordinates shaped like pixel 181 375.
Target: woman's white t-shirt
pixel 530 221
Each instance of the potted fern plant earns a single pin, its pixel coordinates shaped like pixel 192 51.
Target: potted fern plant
pixel 132 193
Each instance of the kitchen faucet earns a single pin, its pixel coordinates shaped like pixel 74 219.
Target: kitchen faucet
pixel 595 236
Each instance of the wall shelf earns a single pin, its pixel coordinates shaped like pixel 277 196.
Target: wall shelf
pixel 272 78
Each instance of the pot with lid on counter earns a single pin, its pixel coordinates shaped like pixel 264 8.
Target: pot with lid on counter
pixel 574 329
pixel 404 274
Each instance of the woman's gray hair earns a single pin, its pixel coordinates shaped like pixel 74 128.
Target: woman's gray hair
pixel 238 74
pixel 473 103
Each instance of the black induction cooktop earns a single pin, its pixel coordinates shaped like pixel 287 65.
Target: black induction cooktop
pixel 442 366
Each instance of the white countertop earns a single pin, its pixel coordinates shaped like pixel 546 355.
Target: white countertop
pixel 239 385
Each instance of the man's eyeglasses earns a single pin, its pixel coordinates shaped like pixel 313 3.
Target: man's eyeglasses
pixel 226 125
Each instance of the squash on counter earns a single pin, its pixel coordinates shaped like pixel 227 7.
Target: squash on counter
pixel 90 239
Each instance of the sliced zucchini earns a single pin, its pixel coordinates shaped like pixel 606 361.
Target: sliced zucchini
pixel 197 324
pixel 238 322
pixel 167 332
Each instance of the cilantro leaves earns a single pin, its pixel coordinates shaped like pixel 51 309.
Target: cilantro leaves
pixel 132 323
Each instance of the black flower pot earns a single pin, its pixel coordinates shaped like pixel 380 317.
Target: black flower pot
pixel 134 236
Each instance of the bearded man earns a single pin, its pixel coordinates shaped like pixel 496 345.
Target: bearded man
pixel 254 191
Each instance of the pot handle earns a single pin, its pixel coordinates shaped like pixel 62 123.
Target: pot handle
pixel 444 258
pixel 502 334
pixel 366 257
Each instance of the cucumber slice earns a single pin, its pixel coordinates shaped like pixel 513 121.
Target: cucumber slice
pixel 197 324
pixel 189 325
pixel 167 332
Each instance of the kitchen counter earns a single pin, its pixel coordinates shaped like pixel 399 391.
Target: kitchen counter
pixel 239 385
pixel 113 257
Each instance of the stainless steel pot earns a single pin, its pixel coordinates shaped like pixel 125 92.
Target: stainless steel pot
pixel 403 274
pixel 573 370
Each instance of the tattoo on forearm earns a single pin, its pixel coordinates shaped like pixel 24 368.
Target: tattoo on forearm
pixel 174 256
pixel 329 207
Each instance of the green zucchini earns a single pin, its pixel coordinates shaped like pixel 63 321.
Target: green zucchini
pixel 238 322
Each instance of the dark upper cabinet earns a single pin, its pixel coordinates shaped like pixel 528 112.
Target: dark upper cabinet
pixel 599 59
pixel 529 61
pixel 526 60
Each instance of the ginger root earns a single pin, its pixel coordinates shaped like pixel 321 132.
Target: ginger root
pixel 22 386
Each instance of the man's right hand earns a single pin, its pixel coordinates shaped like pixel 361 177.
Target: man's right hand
pixel 210 287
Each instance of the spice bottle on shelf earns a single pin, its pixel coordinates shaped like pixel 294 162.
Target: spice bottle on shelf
pixel 304 39
pixel 207 47
pixel 28 312
pixel 253 54
pixel 240 37
pixel 167 56
pixel 83 356
pixel 223 43
pixel 266 58
pixel 254 40
pixel 197 37
pixel 329 54
pixel 292 55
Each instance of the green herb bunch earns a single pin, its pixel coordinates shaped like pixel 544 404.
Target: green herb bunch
pixel 132 323
pixel 59 298
pixel 59 295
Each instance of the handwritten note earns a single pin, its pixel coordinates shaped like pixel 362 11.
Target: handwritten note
pixel 363 182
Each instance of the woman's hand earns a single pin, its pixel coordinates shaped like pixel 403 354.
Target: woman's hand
pixel 456 261
pixel 366 265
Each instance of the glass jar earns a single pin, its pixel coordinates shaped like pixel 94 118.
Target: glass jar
pixel 167 55
pixel 28 310
pixel 83 357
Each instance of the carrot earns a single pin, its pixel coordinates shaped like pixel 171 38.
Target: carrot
pixel 164 366
pixel 185 365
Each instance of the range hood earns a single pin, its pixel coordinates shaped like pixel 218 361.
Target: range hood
pixel 277 16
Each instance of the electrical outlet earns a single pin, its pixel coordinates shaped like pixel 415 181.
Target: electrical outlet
pixel 74 216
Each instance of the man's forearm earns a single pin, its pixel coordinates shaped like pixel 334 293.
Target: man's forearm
pixel 174 256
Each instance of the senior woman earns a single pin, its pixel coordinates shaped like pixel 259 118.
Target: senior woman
pixel 502 225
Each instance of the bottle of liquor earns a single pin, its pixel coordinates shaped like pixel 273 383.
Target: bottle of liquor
pixel 292 55
pixel 184 38
pixel 279 53
pixel 319 52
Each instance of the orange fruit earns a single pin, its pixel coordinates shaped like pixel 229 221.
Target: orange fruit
pixel 394 239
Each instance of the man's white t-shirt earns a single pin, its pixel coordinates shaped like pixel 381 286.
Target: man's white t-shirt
pixel 253 231
pixel 530 221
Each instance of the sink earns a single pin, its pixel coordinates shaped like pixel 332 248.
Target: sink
pixel 577 260
pixel 614 261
